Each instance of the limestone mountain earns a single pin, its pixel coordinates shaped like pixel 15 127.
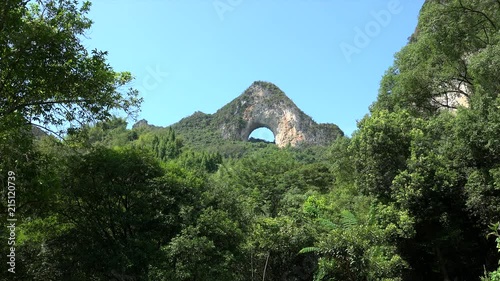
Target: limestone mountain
pixel 261 105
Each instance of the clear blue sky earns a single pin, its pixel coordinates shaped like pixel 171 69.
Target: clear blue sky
pixel 198 55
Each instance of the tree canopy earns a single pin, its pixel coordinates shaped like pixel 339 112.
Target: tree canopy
pixel 48 78
pixel 413 194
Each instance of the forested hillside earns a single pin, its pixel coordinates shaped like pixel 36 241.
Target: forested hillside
pixel 262 104
pixel 413 194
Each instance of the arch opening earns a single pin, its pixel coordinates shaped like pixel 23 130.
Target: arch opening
pixel 262 134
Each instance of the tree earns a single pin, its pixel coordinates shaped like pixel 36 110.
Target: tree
pixel 163 143
pixel 442 168
pixel 444 63
pixel 49 80
pixel 47 77
pixel 117 207
pixel 495 232
pixel 477 150
pixel 207 249
pixel 356 245
pixel 380 148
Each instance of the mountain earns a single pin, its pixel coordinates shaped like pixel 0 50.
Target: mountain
pixel 263 104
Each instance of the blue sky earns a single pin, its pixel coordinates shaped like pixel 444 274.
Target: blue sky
pixel 328 56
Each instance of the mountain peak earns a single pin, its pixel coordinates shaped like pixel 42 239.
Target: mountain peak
pixel 262 104
pixel 262 88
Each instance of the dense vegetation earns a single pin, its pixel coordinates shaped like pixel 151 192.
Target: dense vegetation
pixel 414 194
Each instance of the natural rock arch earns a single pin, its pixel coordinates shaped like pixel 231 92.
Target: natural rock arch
pixel 265 105
pixel 261 130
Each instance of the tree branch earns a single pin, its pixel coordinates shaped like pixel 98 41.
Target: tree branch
pixel 265 267
pixel 478 12
pixel 57 134
pixel 20 106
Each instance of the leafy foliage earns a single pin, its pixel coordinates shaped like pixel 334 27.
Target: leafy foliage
pixel 40 48
pixel 410 196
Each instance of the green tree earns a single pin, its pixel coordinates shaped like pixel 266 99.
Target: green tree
pixel 380 148
pixel 49 80
pixel 163 143
pixel 356 246
pixel 114 212
pixel 495 232
pixel 208 249
pixel 47 76
pixel 452 54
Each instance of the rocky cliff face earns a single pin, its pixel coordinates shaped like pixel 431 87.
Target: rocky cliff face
pixel 265 105
pixel 261 105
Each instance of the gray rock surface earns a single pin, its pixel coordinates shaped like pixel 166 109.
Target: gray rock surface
pixel 265 105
